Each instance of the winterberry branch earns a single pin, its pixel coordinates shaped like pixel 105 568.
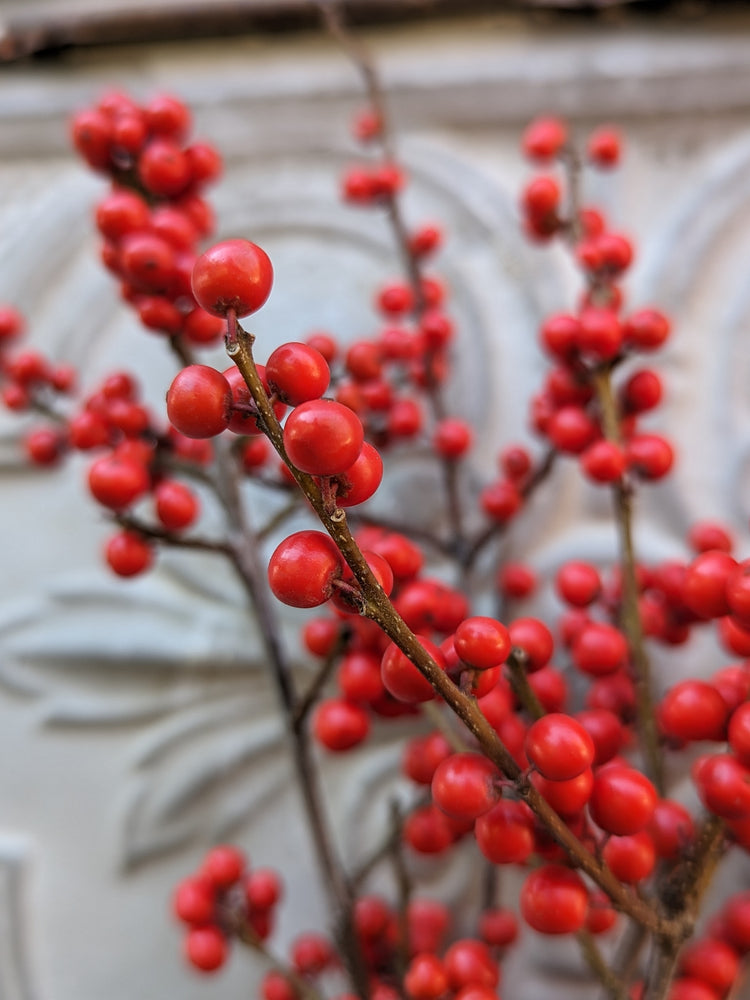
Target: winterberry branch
pixel 375 605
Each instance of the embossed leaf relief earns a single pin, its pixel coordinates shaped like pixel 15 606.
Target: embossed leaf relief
pixel 166 657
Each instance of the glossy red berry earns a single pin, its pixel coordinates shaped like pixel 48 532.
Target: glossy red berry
pixel 623 800
pixel 468 962
pixel 578 583
pixel 199 402
pixel 339 725
pixel 505 834
pixel 425 978
pixel 402 679
pixel 297 373
pixel 693 710
pixel 194 901
pixel 323 437
pixel 599 649
pixel 128 554
pixel 482 642
pixel 544 138
pixel 206 948
pixel 604 147
pixel 303 568
pixel 465 785
pixel 117 482
pixel 704 587
pixel 559 747
pixel 235 274
pixel 223 865
pixel 535 639
pixel 177 506
pixel 554 900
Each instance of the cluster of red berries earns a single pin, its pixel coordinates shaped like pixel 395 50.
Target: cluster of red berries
pixel 225 898
pixel 154 217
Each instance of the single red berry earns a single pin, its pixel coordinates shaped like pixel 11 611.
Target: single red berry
pixel 403 679
pixel 704 587
pixel 482 642
pixel 501 500
pixel 516 580
pixel 117 482
pixel 672 829
pixel 206 948
pixel 554 900
pixel 275 986
pixel 339 725
pixel 323 437
pixel 166 115
pixel 303 567
pixel 505 834
pixel 425 978
pixel 236 275
pixel 45 446
pixel 604 147
pixel 541 198
pixel 578 583
pixel 360 481
pixel 128 554
pixel 605 729
pixel 297 372
pixel 425 240
pixel 312 953
pixel 693 710
pixel 535 639
pixel 651 456
pixel 262 888
pixel 224 865
pixel 452 438
pixel 544 138
pixel 465 785
pixel 566 797
pixel 603 462
pixel 631 858
pixel 498 927
pixel 199 402
pixel 559 747
pixel 600 335
pixel 194 900
pixel 177 506
pixel 422 756
pixel 468 962
pixel 599 649
pixel 201 328
pixel 623 800
pixel 723 783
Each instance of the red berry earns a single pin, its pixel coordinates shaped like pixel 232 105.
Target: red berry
pixel 693 710
pixel 465 785
pixel 425 978
pixel 544 138
pixel 340 725
pixel 297 372
pixel 469 963
pixel 128 554
pixel 723 784
pixel 599 649
pixel 323 437
pixel 402 679
pixel 671 828
pixel 360 481
pixel 604 147
pixel 117 482
pixel 199 402
pixel 194 901
pixel 206 948
pixel 223 865
pixel 623 800
pixel 704 587
pixel 578 583
pixel 452 438
pixel 505 834
pixel 303 568
pixel 176 505
pixel 559 747
pixel 554 900
pixel 482 642
pixel 603 462
pixel 498 927
pixel 235 274
pixel 632 858
pixel 535 639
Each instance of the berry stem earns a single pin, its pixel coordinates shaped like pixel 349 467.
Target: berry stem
pixel 519 682
pixel 629 613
